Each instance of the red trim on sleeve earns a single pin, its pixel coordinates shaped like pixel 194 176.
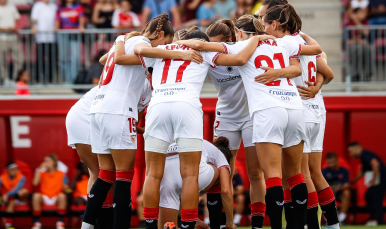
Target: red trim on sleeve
pixel 142 61
pixel 214 59
pixel 297 55
pixel 225 48
pixel 318 56
pixel 225 166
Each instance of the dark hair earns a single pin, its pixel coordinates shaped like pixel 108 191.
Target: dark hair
pixel 222 143
pixel 224 27
pixel 331 155
pixel 54 158
pixel 270 3
pixel 180 35
pixel 64 3
pixel 286 16
pixel 20 74
pixel 250 24
pixel 9 163
pixel 155 25
pixel 355 143
pixel 195 32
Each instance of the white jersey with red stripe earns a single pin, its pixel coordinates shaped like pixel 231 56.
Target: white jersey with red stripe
pixel 210 155
pixel 145 96
pixel 121 85
pixel 179 80
pixel 232 101
pixel 279 93
pixel 312 112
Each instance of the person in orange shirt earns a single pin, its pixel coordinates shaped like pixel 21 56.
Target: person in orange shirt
pixel 51 184
pixel 11 188
pixel 21 83
pixel 79 185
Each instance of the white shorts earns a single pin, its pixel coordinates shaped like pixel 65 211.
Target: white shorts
pixel 318 145
pixel 112 131
pixel 234 131
pixel 49 201
pixel 178 119
pixel 279 125
pixel 312 131
pixel 171 184
pixel 78 129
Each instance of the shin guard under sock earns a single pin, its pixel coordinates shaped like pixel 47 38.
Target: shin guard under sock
pixel 214 204
pixel 98 194
pixel 327 204
pixel 289 212
pixel 274 199
pixel 257 214
pixel 189 218
pixel 150 215
pixel 122 199
pixel 299 196
pixel 312 211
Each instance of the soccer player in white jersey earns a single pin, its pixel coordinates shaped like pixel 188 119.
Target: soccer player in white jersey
pixel 214 168
pixel 176 109
pixel 113 115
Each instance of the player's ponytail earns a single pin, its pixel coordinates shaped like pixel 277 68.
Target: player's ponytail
pixel 286 16
pixel 196 33
pixel 180 35
pixel 154 27
pixel 224 27
pixel 250 24
pixel 222 143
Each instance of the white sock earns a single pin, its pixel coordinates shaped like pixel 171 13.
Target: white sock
pixel 342 216
pixel 334 226
pixel 236 219
pixel 87 226
pixel 206 220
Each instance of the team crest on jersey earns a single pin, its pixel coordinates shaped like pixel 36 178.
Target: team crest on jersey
pixel 133 138
pixel 229 69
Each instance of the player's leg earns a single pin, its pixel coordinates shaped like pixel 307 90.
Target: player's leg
pixel 9 213
pixel 61 203
pixel 289 211
pixel 37 201
pixel 312 203
pixel 90 160
pixel 167 215
pixel 294 136
pixel 214 202
pixel 345 198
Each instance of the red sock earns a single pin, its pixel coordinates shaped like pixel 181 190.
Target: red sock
pixel 108 201
pixel 295 180
pixel 312 200
pixel 258 208
pixel 272 182
pixel 8 221
pixel 125 175
pixel 61 211
pixel 107 175
pixel 287 196
pixel 150 213
pixel 326 196
pixel 36 213
pixel 189 215
pixel 215 189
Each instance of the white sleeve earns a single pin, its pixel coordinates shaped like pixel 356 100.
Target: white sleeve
pixel 293 49
pixel 210 57
pixel 145 96
pixel 17 15
pixel 115 20
pixel 34 11
pixel 232 48
pixel 215 156
pixel 136 21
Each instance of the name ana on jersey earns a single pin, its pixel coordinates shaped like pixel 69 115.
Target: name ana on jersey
pixel 230 78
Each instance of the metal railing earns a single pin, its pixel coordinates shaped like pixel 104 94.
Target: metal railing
pixel 364 55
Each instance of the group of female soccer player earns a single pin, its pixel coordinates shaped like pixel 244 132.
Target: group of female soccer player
pixel 268 76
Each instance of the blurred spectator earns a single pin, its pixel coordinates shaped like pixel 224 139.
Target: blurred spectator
pixel 188 10
pixel 102 14
pixel 357 4
pixel 51 183
pixel 239 196
pixel 137 6
pixel 12 187
pixel 377 12
pixel 43 24
pixel 123 18
pixel 374 172
pixel 79 185
pixel 206 14
pixel 69 16
pixel 92 75
pixel 244 7
pixel 256 6
pixel 21 2
pixel 87 6
pixel 153 8
pixel 226 8
pixel 337 177
pixel 22 83
pixel 9 41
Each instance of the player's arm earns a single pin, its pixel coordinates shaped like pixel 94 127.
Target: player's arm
pixel 226 196
pixel 313 48
pixel 357 177
pixel 324 69
pixel 147 51
pixel 36 180
pixel 202 45
pixel 244 55
pixel 103 59
pixel 121 58
pixel 140 130
pixel 271 74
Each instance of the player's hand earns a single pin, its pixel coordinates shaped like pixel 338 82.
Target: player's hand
pixel 308 92
pixel 268 76
pixel 345 186
pixel 192 55
pixel 230 225
pixel 4 198
pixel 140 130
pixel 201 225
pixel 372 183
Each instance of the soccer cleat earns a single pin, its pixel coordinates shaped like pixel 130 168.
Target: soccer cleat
pixel 37 225
pixel 169 225
pixel 60 225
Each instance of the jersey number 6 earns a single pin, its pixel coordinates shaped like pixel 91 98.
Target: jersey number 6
pixel 268 60
pixel 180 70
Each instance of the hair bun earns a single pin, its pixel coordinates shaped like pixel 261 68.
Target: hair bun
pixel 285 6
pixel 222 141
